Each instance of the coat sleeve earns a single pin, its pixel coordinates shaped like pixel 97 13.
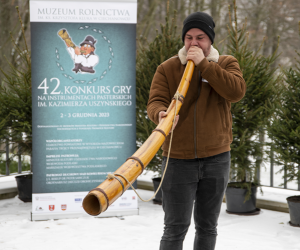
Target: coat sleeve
pixel 227 80
pixel 159 96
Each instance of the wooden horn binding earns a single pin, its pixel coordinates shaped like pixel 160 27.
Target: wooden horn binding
pixel 100 198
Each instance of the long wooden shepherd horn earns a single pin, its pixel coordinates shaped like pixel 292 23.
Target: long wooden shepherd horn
pixel 101 197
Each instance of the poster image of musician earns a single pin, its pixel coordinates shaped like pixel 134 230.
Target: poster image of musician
pixel 83 96
pixel 84 56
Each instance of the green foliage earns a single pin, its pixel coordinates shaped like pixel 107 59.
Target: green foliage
pixel 13 167
pixel 285 127
pixel 250 115
pixel 15 102
pixel 165 45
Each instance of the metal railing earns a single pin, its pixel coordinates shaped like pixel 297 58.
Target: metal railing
pixel 263 181
pixel 272 174
pixel 8 159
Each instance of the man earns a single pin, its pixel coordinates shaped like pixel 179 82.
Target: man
pixel 84 57
pixel 199 161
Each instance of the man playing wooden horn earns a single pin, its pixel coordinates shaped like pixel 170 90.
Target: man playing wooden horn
pixel 199 163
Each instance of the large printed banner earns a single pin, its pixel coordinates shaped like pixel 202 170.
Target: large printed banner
pixel 83 100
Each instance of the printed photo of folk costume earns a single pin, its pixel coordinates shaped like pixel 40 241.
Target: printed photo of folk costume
pixel 84 57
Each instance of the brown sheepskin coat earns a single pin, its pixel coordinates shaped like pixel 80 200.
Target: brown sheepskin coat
pixel 205 123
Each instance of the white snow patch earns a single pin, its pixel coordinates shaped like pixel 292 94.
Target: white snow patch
pixel 267 231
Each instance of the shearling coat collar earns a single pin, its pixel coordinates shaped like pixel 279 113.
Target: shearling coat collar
pixel 205 125
pixel 213 55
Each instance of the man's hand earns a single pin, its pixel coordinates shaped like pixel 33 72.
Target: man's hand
pixel 163 114
pixel 195 54
pixel 77 51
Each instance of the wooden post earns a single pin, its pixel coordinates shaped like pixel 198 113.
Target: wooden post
pixel 272 168
pixel 285 181
pixel 299 177
pixel 7 157
pixel 19 160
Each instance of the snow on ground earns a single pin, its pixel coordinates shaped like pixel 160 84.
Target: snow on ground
pixel 267 231
pixel 275 194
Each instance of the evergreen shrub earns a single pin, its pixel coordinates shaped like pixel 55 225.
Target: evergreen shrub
pixel 165 45
pixel 15 102
pixel 285 127
pixel 250 114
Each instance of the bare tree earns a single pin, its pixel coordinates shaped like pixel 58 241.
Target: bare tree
pixel 265 18
pixel 272 19
pixel 10 30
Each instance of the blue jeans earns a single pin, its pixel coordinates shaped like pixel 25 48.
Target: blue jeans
pixel 202 182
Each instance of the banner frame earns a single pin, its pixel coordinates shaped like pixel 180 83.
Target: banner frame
pixel 71 214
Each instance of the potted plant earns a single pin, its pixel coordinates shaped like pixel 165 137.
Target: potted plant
pixel 285 133
pixel 249 118
pixel 16 111
pixel 165 45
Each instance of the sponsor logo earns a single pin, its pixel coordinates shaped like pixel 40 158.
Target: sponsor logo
pixel 64 207
pixel 78 200
pixel 51 207
pixel 125 204
pixel 39 208
pixel 133 197
pixel 45 198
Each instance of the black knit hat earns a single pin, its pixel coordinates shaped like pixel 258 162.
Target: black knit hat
pixel 201 21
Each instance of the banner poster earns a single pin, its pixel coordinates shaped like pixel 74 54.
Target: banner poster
pixel 83 101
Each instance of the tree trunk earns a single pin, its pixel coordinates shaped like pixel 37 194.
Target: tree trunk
pixel 5 43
